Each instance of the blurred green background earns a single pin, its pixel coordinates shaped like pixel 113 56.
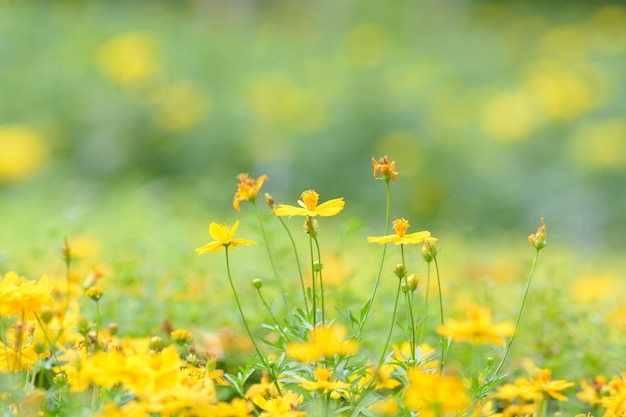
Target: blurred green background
pixel 497 113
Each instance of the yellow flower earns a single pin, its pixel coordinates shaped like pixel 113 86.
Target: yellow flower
pixel 23 152
pixel 385 168
pixel 247 189
pixel 238 407
pixel 325 342
pixel 322 382
pixel 433 394
pixel 309 206
pixel 223 235
pixel 400 237
pixel 539 239
pixel 591 391
pixel 543 384
pixel 479 328
pixel 281 406
pixel 615 401
pixel 130 58
pixel 23 297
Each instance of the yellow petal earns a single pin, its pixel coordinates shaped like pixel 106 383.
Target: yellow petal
pixel 287 210
pixel 382 239
pixel 330 207
pixel 210 247
pixel 218 231
pixel 236 242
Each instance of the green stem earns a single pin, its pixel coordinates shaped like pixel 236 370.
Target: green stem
pixel 295 251
pixel 269 310
pixel 271 258
pixel 245 323
pixel 319 261
pixel 314 301
pixel 382 259
pixel 393 321
pixel 519 315
pixel 421 338
pixel 440 314
pixel 413 333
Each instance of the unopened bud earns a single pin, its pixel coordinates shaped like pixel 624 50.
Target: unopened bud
pixel 400 271
pixel 156 343
pixel 412 281
pixel 181 336
pixel 317 266
pixel 257 283
pixel 539 239
pixel 405 288
pixel 428 249
pixel 95 293
pixel 269 200
pixel 113 329
pixel 46 314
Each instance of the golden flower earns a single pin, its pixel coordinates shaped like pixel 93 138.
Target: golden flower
pixel 280 406
pixel 181 336
pixel 223 235
pixel 479 328
pixel 591 390
pixel 385 168
pixel 400 237
pixel 247 189
pixel 23 297
pixel 23 152
pixel 325 342
pixel 238 407
pixel 539 239
pixel 130 58
pixel 543 384
pixel 322 381
pixel 434 395
pixel 309 206
pixel 615 401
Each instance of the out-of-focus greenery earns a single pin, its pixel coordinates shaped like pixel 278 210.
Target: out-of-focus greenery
pixel 496 112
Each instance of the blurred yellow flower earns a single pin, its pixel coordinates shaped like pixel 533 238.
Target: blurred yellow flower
pixel 224 238
pixel 434 395
pixel 285 405
pixel 400 237
pixel 324 342
pixel 309 206
pixel 322 381
pixel 247 189
pixel 615 401
pixel 17 358
pixel 542 383
pixel 282 105
pixel 560 92
pixel 479 328
pixel 595 287
pixel 509 117
pixel 601 144
pixel 180 107
pixel 539 239
pixel 129 58
pixel 23 297
pixel 387 406
pixel 22 153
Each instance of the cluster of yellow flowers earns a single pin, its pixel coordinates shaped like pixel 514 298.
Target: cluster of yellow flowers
pixel 316 368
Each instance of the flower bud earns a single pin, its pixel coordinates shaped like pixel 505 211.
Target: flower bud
pixel 95 293
pixel 412 281
pixel 405 288
pixel 40 347
pixel 400 271
pixel 181 336
pixel 269 200
pixel 317 266
pixel 46 314
pixel 257 283
pixel 428 250
pixel 156 343
pixel 539 239
pixel 60 380
pixel 83 326
pixel 113 328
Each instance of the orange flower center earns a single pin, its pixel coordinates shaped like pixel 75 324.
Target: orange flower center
pixel 309 199
pixel 401 226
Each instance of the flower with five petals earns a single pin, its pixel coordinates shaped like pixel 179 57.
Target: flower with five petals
pixel 224 238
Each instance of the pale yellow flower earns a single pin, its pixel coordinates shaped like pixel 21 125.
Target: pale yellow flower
pixel 325 342
pixel 23 152
pixel 434 395
pixel 224 238
pixel 322 381
pixel 479 328
pixel 309 206
pixel 401 237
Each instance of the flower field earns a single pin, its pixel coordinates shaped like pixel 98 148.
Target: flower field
pixel 312 209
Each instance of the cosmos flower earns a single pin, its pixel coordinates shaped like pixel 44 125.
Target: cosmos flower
pixel 223 235
pixel 247 189
pixel 309 206
pixel 400 237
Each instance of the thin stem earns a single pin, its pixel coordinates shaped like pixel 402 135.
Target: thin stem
pixel 319 260
pixel 271 258
pixel 393 321
pixel 440 314
pixel 421 338
pixel 245 323
pixel 382 259
pixel 519 315
pixel 314 301
pixel 295 251
pixel 413 333
pixel 269 310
